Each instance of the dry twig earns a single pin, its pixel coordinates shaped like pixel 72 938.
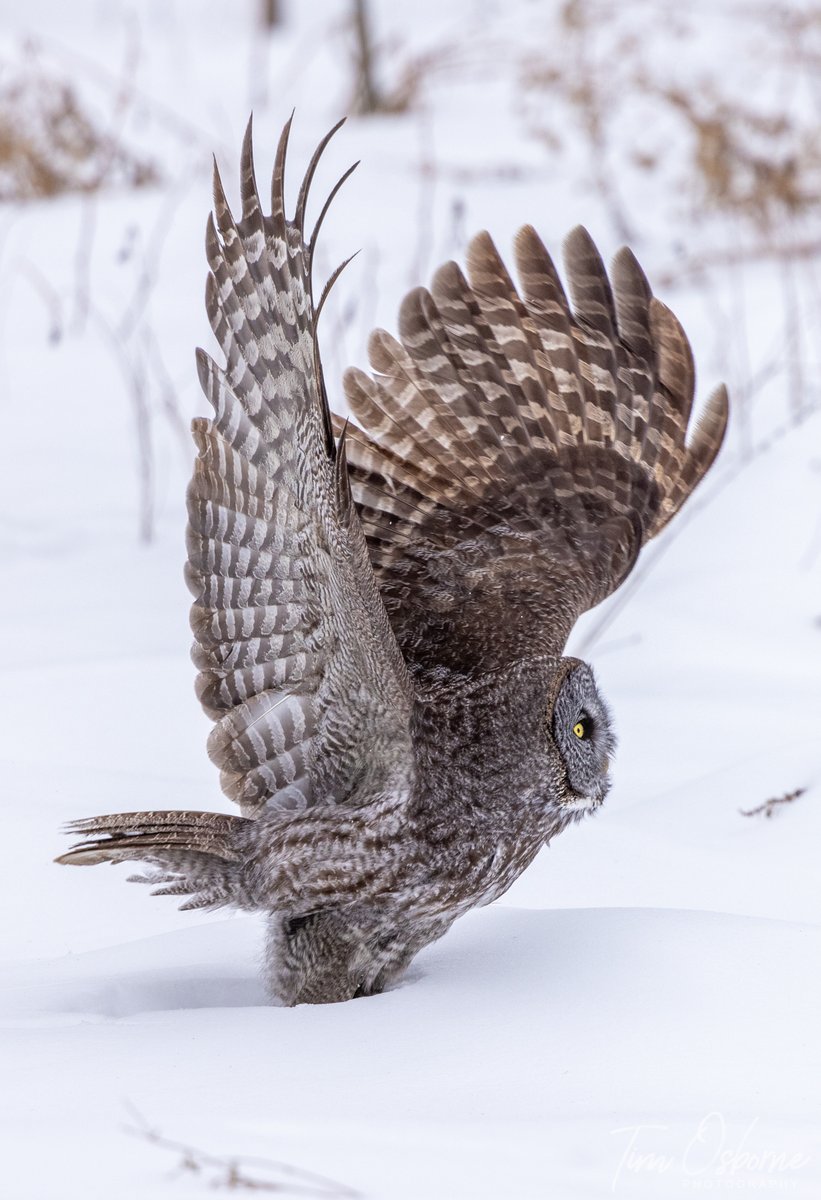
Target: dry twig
pixel 769 806
pixel 246 1174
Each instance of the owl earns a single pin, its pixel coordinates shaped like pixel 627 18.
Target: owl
pixel 381 606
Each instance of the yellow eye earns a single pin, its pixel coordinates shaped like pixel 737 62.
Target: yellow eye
pixel 579 729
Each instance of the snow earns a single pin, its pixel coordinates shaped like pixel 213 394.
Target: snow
pixel 638 1015
pixel 516 1047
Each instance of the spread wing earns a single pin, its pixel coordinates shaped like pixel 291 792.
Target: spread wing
pixel 518 451
pixel 297 662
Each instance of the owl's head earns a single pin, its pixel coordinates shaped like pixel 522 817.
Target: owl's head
pixel 581 731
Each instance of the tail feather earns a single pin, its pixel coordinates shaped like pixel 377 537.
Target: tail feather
pixel 199 854
pixel 118 834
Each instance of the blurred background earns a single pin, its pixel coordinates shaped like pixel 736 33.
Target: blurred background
pixel 690 132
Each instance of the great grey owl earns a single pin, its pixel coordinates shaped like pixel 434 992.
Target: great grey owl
pixel 380 609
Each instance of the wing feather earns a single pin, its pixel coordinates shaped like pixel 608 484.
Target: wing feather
pixel 516 452
pixel 299 667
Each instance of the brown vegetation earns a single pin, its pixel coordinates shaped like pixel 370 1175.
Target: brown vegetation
pixel 51 144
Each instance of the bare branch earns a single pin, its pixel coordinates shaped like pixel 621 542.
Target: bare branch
pixel 232 1172
pixel 769 806
pixel 133 370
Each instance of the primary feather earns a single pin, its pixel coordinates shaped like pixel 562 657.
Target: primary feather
pixel 289 627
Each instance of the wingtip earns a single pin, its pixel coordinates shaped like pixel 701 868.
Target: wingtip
pixel 286 128
pixel 331 281
pixel 705 440
pixel 628 275
pixel 356 384
pixel 481 257
pixel 447 281
pixel 526 237
pixel 248 183
pixel 247 149
pixel 578 235
pixel 537 271
pixel 305 186
pixel 343 178
pixel 383 351
pixel 721 395
pixel 580 252
pixel 480 243
pixel 625 260
pixel 579 247
pixel 715 416
pixel 278 177
pixel 218 191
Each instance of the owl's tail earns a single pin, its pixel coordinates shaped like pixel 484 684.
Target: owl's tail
pixel 197 854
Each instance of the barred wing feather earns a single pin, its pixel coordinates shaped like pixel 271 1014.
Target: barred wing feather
pixel 297 662
pixel 515 452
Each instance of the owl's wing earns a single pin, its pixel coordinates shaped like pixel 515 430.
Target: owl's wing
pixel 515 453
pixel 297 662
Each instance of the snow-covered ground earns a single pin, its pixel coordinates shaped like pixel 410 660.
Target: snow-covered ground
pixel 639 1014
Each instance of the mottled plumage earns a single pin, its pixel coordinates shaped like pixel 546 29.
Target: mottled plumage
pixel 380 611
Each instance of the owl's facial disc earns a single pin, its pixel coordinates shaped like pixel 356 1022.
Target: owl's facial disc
pixel 582 733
